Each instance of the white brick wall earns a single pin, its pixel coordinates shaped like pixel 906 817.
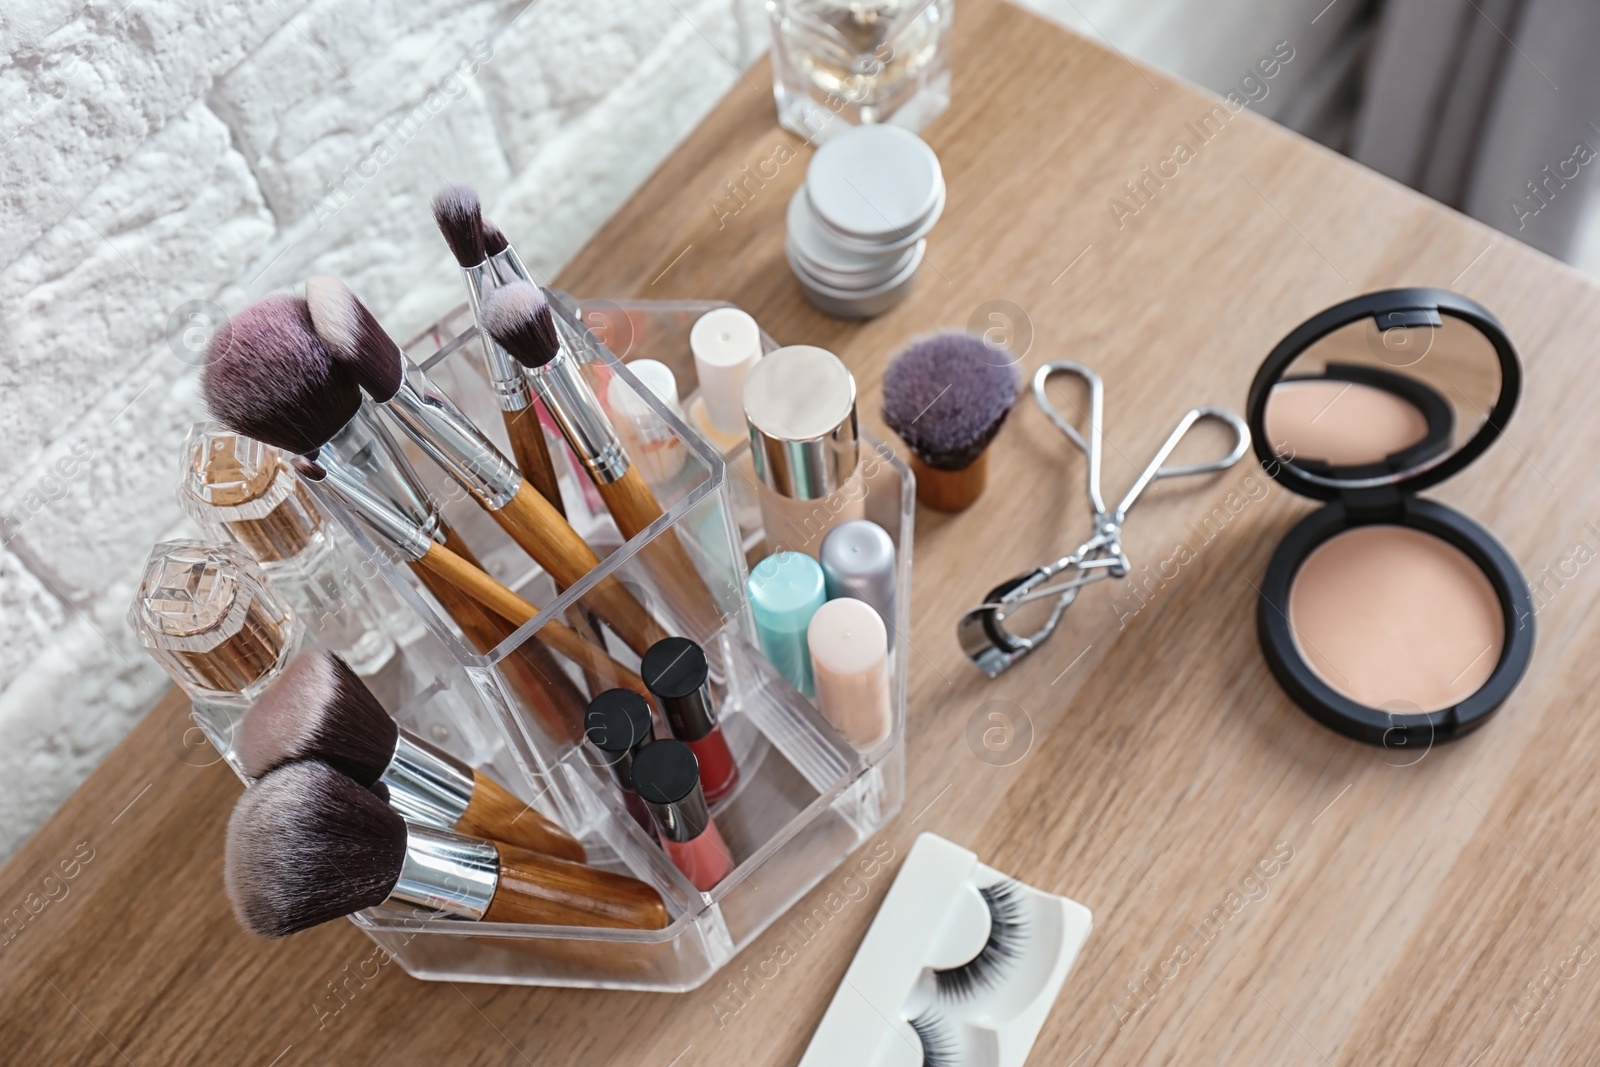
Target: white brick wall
pixel 156 154
pixel 153 154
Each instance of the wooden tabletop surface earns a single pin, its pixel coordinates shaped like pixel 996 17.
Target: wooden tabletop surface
pixel 1438 911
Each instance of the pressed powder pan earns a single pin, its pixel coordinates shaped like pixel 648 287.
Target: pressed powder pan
pixel 1392 619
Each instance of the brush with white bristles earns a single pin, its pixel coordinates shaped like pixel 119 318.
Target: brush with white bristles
pixel 518 315
pixel 460 217
pixel 354 337
pixel 307 845
pixel 320 709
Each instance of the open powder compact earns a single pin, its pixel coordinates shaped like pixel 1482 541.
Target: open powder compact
pixel 1392 619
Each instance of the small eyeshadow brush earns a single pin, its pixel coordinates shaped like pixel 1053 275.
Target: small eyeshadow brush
pixel 459 215
pixel 354 338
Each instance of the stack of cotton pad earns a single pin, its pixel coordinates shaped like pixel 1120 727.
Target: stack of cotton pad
pixel 858 225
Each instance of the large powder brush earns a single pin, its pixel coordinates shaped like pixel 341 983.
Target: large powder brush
pixel 947 395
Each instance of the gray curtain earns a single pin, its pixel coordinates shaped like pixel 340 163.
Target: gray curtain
pixel 1491 106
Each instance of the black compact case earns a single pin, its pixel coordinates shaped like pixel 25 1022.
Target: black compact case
pixel 1451 360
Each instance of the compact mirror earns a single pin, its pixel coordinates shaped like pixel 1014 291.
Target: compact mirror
pixel 1392 618
pixel 1383 398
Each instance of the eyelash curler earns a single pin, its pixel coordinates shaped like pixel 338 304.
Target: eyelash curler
pixel 982 630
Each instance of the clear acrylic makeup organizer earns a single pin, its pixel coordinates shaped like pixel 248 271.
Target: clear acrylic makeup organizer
pixel 806 799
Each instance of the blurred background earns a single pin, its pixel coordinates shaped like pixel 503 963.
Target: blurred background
pixel 163 164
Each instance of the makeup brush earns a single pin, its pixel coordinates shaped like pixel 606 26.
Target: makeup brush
pixel 518 316
pixel 443 558
pixel 320 709
pixel 947 396
pixel 307 845
pixel 460 218
pixel 268 376
pixel 354 338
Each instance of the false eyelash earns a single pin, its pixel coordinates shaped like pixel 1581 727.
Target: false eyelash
pixel 938 1045
pixel 1008 930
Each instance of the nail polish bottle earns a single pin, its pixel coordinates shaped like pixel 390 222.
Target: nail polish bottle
pixel 617 723
pixel 240 490
pixel 785 590
pixel 676 672
pixel 668 778
pixel 207 614
pixel 800 406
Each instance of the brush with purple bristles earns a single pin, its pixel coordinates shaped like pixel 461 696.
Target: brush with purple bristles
pixel 947 396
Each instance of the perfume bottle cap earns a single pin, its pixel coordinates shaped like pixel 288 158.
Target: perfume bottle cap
pixel 675 670
pixel 629 408
pixel 667 777
pixel 726 343
pixel 206 613
pixel 239 489
pixel 800 406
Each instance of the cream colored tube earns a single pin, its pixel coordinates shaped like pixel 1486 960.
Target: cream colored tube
pixel 850 661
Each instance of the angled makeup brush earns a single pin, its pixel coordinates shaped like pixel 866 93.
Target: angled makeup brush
pixel 947 395
pixel 460 218
pixel 354 338
pixel 307 845
pixel 518 316
pixel 320 709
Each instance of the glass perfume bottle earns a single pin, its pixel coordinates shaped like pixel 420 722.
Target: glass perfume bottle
pixel 207 614
pixel 240 490
pixel 838 63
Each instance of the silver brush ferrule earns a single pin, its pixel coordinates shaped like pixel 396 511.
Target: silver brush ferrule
pixel 450 439
pixel 427 784
pixel 362 469
pixel 505 373
pixel 447 872
pixel 562 387
pixel 508 267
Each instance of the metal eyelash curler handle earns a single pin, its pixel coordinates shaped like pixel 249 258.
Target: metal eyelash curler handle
pixel 982 630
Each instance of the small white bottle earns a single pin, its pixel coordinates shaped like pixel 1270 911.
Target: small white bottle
pixel 240 490
pixel 726 343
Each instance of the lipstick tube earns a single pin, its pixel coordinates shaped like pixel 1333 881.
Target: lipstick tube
pixel 668 779
pixel 677 674
pixel 618 725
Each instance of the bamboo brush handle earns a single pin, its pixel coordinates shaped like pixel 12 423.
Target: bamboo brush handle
pixel 535 888
pixel 494 812
pixel 634 507
pixel 514 609
pixel 531 671
pixel 532 454
pixel 566 557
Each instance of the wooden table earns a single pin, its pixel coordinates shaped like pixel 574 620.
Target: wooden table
pixel 1420 901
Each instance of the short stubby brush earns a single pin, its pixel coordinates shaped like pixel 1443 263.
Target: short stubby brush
pixel 947 396
pixel 306 845
pixel 321 709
